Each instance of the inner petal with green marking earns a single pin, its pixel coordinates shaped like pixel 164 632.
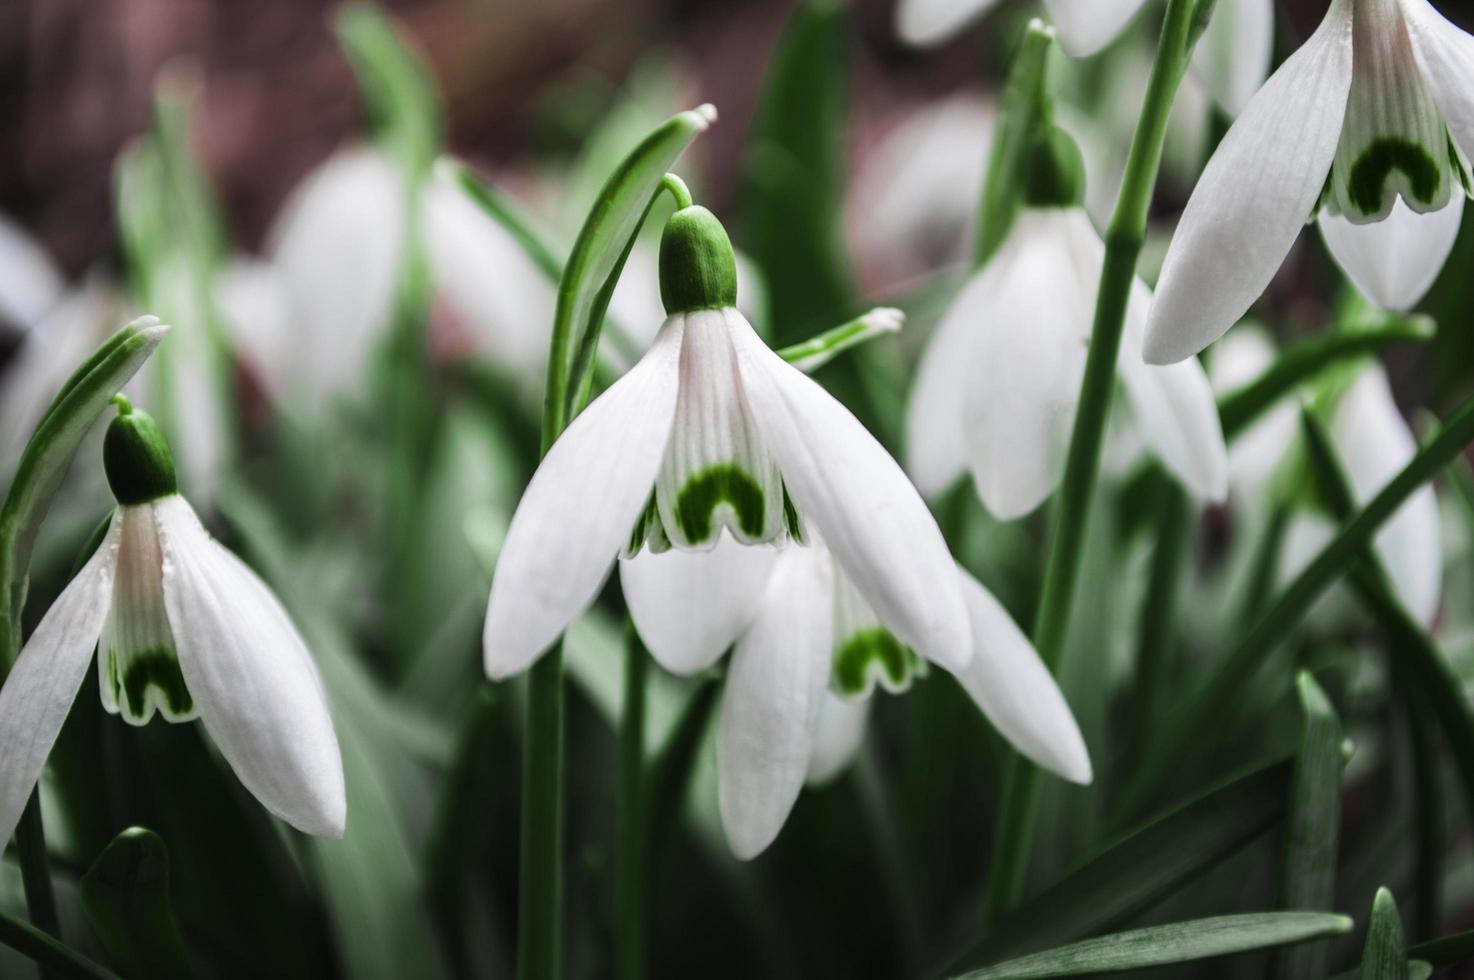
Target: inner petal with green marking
pixel 138 670
pixel 1393 139
pixel 865 652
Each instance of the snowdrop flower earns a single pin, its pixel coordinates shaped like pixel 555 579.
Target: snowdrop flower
pixel 184 629
pixel 1369 123
pixel 1233 55
pixel 1085 26
pixel 1240 359
pixel 710 432
pixel 808 652
pixel 998 384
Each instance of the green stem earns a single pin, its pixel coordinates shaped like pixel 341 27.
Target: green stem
pixel 540 882
pixel 50 955
pixel 1123 240
pixel 631 824
pixel 1159 613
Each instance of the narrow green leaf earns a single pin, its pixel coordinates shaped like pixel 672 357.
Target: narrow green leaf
pixel 1240 408
pixel 599 252
pixel 50 954
pixel 1178 942
pixel 1157 630
pixel 126 897
pixel 1143 868
pixel 399 96
pixel 1384 957
pixel 1445 950
pixel 496 207
pixel 818 351
pixel 1308 868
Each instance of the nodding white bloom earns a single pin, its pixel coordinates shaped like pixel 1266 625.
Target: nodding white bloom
pixel 1085 26
pixel 1254 457
pixel 999 382
pixel 712 431
pixel 1233 56
pixel 1370 123
pixel 184 629
pixel 808 652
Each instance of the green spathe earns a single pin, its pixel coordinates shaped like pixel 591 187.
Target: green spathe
pixel 136 456
pixel 697 268
pixel 1053 173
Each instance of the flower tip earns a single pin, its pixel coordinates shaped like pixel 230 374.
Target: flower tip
pixel 705 113
pixel 886 319
pixel 1158 349
pixel 1037 26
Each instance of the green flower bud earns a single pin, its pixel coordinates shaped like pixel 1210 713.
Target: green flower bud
pixel 136 457
pixel 1053 171
pixel 697 268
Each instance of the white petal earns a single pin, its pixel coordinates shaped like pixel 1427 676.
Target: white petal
pixel 1175 409
pixel 1445 54
pixel 770 703
pixel 1015 690
pixel 1234 53
pixel 45 679
pixel 1375 444
pixel 29 281
pixel 1033 307
pixel 840 734
pixel 928 22
pixel 488 279
pixel 338 243
pixel 1243 354
pixel 936 448
pixel 849 487
pixel 1086 26
pixel 1256 193
pixel 256 311
pixel 1394 261
pixel 690 606
pixel 255 685
pixel 579 510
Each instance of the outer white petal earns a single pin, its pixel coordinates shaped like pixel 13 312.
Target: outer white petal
pixel 1375 445
pixel 1175 410
pixel 936 447
pixel 1086 26
pixel 1033 307
pixel 488 279
pixel 1233 55
pixel 840 734
pixel 1015 690
pixel 869 514
pixel 29 282
pixel 690 606
pixel 928 22
pixel 770 703
pixel 580 509
pixel 46 676
pixel 255 685
pixel 256 309
pixel 338 243
pixel 1393 261
pixel 1256 193
pixel 1240 358
pixel 1445 55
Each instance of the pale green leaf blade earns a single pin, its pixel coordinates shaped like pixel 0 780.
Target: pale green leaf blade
pixel 1384 957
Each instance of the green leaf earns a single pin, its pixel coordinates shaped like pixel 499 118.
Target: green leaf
pixel 1308 868
pixel 399 96
pixel 1240 408
pixel 126 897
pixel 1144 867
pixel 1384 957
pixel 1178 942
pixel 598 257
pixel 51 954
pixel 1445 950
pixel 818 351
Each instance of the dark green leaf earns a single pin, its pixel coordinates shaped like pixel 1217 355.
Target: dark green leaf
pixel 126 897
pixel 1384 957
pixel 49 953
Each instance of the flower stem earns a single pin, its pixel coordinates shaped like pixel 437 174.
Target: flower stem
pixel 1123 242
pixel 540 859
pixel 632 827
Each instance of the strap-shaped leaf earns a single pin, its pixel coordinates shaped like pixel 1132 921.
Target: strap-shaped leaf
pixel 1177 942
pixel 1384 957
pixel 126 897
pixel 399 96
pixel 53 955
pixel 598 256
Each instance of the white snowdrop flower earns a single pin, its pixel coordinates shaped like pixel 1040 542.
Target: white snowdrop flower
pixel 711 431
pixel 1233 55
pixel 999 382
pixel 808 652
pixel 256 312
pixel 1085 26
pixel 1240 359
pixel 1375 109
pixel 184 629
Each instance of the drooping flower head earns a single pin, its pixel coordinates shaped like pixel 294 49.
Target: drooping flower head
pixel 1370 124
pixel 712 433
pixel 183 629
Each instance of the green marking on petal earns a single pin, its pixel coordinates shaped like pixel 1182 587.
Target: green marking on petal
pixel 1370 172
pixel 158 669
pixel 893 664
pixel 791 523
pixel 725 483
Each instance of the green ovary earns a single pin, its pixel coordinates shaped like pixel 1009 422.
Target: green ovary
pixel 712 487
pixel 853 660
pixel 1377 162
pixel 131 678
